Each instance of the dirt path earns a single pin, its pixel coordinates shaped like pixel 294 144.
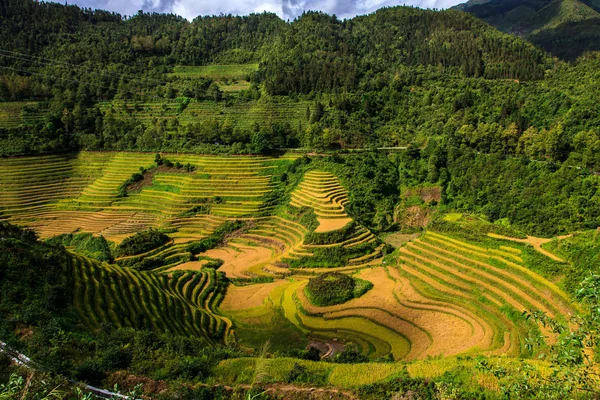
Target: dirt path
pixel 535 242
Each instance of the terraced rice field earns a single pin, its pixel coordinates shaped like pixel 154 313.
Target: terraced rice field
pixel 184 304
pixel 274 241
pixel 65 193
pixel 237 115
pixel 216 72
pixel 15 114
pixel 494 284
pixel 443 297
pixel 439 296
pixel 323 192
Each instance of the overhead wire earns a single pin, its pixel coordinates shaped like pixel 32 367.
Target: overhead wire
pixel 61 64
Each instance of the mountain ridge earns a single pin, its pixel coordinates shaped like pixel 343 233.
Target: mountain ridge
pixel 565 28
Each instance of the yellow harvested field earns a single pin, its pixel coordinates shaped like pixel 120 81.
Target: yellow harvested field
pixel 431 330
pixel 239 258
pixel 485 283
pixel 322 192
pixel 247 297
pixel 328 224
pixel 189 266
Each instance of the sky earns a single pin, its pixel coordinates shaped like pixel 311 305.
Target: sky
pixel 286 9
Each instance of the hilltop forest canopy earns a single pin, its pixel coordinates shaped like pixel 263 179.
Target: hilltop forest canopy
pixel 400 75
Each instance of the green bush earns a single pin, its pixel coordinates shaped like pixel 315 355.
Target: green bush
pixel 149 263
pixel 330 288
pixel 336 236
pixel 141 242
pixel 361 287
pixel 96 247
pixel 331 257
pixel 335 288
pixel 298 373
pixel 134 178
pixel 350 355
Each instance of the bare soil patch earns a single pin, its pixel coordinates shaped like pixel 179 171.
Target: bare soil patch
pixel 413 216
pixel 398 239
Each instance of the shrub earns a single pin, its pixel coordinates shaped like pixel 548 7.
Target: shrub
pixel 142 242
pixel 361 287
pixel 90 371
pixel 330 288
pixel 336 236
pixel 298 373
pixel 96 247
pixel 351 355
pixel 311 354
pixel 149 263
pixel 134 178
pixel 335 288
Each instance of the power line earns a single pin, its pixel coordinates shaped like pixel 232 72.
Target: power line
pixel 62 64
pixel 39 73
pixel 97 84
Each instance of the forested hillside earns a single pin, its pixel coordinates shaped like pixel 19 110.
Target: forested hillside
pixel 80 79
pixel 565 28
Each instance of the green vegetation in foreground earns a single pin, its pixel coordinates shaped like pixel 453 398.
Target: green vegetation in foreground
pixel 335 288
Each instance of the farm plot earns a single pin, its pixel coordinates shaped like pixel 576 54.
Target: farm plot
pixel 242 114
pixel 257 250
pixel 337 243
pixel 15 114
pixel 246 114
pixel 80 192
pixel 183 303
pixel 216 72
pixel 492 284
pixel 444 297
pixel 323 192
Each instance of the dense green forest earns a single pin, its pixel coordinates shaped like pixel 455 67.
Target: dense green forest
pixel 401 75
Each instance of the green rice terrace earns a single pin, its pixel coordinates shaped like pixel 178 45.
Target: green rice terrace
pixel 272 203
pixel 207 212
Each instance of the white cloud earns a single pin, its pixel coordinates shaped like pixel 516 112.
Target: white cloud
pixel 287 9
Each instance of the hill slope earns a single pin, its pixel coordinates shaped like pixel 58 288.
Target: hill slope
pixel 566 28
